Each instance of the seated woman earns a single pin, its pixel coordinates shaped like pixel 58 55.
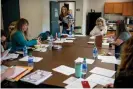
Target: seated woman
pixel 121 36
pixel 124 76
pixel 100 28
pixel 19 36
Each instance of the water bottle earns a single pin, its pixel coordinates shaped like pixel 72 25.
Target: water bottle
pixel 84 68
pixel 51 42
pixel 30 60
pixel 78 69
pixel 95 52
pixel 25 51
pixel 70 34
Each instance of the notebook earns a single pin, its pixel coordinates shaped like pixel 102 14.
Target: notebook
pixel 35 59
pixel 37 77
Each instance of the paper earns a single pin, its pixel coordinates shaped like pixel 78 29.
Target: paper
pixel 116 61
pixel 88 61
pixel 5 54
pixel 64 70
pixel 105 44
pixel 37 77
pixel 103 71
pixel 77 84
pixel 68 41
pixel 17 71
pixel 70 38
pixel 102 80
pixel 70 80
pixel 93 37
pixel 58 41
pixel 11 56
pixel 80 35
pixel 91 42
pixel 42 45
pixel 109 59
pixel 106 57
pixel 35 59
pixel 41 49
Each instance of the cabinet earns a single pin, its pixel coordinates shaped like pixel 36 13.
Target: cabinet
pixel 118 7
pixel 109 8
pixel 128 9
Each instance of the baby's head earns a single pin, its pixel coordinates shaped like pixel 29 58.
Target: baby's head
pixel 69 11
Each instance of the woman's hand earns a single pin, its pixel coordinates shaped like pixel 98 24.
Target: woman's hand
pixel 109 86
pixel 9 72
pixel 38 41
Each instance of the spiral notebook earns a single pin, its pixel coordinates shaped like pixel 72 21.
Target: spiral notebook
pixel 37 77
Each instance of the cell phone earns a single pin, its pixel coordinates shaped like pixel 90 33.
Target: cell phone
pixel 85 84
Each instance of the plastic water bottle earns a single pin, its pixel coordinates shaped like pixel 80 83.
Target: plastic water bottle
pixel 95 52
pixel 51 42
pixel 30 60
pixel 25 51
pixel 84 68
pixel 70 34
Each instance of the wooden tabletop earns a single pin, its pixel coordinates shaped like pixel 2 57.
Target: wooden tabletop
pixel 65 56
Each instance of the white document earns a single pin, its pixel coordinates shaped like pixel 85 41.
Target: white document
pixel 92 37
pixel 41 49
pixel 80 35
pixel 10 56
pixel 35 59
pixel 105 44
pixel 5 54
pixel 17 71
pixel 58 41
pixel 116 61
pixel 68 41
pixel 43 45
pixel 64 70
pixel 102 80
pixel 88 61
pixel 70 80
pixel 103 71
pixel 37 77
pixel 91 42
pixel 78 84
pixel 106 57
pixel 70 38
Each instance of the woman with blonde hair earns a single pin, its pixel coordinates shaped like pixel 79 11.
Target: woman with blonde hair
pixel 124 76
pixel 19 37
pixel 100 28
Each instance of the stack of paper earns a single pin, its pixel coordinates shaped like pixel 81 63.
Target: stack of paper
pixel 17 71
pixel 102 80
pixel 91 42
pixel 103 71
pixel 70 80
pixel 70 38
pixel 58 42
pixel 10 56
pixel 64 70
pixel 109 59
pixel 93 37
pixel 68 41
pixel 89 61
pixel 37 77
pixel 78 84
pixel 41 49
pixel 35 59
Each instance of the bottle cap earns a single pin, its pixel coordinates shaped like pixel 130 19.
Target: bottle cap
pixel 84 59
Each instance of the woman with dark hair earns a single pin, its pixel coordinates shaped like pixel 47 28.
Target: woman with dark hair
pixel 124 76
pixel 19 36
pixel 64 19
pixel 121 36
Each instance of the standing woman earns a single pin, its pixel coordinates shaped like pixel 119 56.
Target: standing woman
pixel 100 28
pixel 64 19
pixel 19 37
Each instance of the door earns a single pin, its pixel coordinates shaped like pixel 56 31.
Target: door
pixel 54 17
pixel 10 12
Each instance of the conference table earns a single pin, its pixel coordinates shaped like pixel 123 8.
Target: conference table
pixel 66 56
